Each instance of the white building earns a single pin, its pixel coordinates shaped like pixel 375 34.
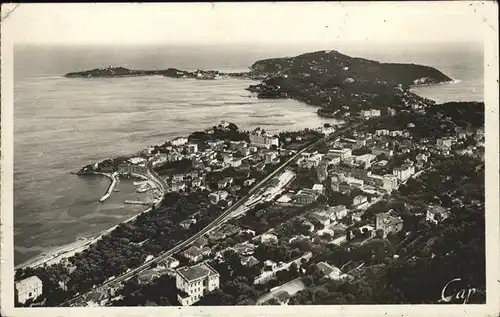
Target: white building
pixel 29 288
pixel 436 214
pixel 194 282
pixel 358 200
pixel 342 153
pixel 318 188
pixel 404 172
pixel 382 132
pixel 179 141
pixel 217 196
pixel 192 148
pixel 263 140
pixel 235 162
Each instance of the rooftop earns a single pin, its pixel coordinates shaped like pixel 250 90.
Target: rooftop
pixel 196 272
pixel 28 281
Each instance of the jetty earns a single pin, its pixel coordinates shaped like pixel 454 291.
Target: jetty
pixel 137 202
pixel 114 181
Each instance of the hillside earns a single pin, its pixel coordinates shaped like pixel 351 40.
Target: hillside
pixel 332 80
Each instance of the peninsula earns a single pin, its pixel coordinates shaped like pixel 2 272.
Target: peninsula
pixel 339 84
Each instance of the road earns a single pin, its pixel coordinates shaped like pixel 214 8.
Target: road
pixel 214 224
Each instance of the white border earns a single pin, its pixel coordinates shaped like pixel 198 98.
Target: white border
pixel 488 9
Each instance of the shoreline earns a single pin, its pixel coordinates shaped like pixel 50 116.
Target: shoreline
pixel 60 253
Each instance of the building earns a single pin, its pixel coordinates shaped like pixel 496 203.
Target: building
pixel 192 148
pixel 318 188
pixel 194 254
pixel 382 132
pixel 260 138
pixel 370 113
pixel 391 111
pixel 378 151
pixel 168 263
pixel 358 200
pixel 268 238
pixel 387 182
pixel 342 153
pixel 132 169
pixel 177 186
pixel 225 182
pixel 422 157
pixel 306 196
pixel 444 144
pixel 388 223
pixel 396 133
pixel 249 261
pixel 338 212
pixel 365 159
pixel 29 288
pixel 179 141
pixel 404 172
pixel 436 214
pixel 194 282
pixel 329 271
pixel 323 220
pixel 235 162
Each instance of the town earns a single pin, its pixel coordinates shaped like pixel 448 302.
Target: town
pixel 281 212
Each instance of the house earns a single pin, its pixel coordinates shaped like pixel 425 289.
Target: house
pixel 205 251
pixel 388 223
pixel 225 182
pixel 168 263
pixel 382 132
pixel 298 238
pixel 177 186
pixel 147 276
pixel 380 150
pixel 194 254
pixel 358 200
pixel 323 220
pixel 244 248
pixel 179 141
pixel 338 212
pixel 318 188
pixel 444 143
pixel 249 182
pixel 422 157
pixel 404 172
pixel 217 196
pixel 249 261
pixel 329 271
pixel 187 223
pixel 192 148
pixel 29 288
pixel 268 238
pixel 269 265
pixel 436 214
pixel 235 162
pixel 194 282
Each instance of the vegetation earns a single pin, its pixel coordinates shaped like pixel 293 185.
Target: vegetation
pixel 122 248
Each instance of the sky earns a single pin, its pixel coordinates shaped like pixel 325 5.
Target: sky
pixel 245 23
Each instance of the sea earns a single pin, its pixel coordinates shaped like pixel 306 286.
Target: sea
pixel 62 124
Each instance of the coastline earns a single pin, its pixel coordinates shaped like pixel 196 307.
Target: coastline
pixel 60 253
